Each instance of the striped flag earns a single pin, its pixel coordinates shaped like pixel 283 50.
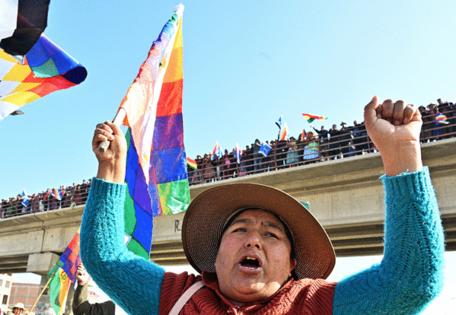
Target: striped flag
pixel 217 151
pixel 192 163
pixel 441 119
pixel 310 117
pixel 283 132
pixel 63 274
pixel 156 162
pixel 283 129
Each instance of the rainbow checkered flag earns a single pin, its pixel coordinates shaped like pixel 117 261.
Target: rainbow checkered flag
pixel 45 69
pixel 63 274
pixel 156 172
pixel 31 65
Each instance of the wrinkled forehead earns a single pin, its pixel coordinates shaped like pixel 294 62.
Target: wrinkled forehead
pixel 255 214
pixel 252 216
pixel 247 213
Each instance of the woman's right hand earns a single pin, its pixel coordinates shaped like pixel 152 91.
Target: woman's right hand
pixel 112 161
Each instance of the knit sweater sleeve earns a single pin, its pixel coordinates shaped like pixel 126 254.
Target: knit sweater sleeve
pixel 131 281
pixel 410 273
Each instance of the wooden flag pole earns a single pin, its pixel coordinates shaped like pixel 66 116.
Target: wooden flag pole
pixel 120 116
pixel 41 293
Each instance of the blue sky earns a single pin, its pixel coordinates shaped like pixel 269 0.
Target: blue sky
pixel 246 63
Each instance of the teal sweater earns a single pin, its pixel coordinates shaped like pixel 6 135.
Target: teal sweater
pixel 408 277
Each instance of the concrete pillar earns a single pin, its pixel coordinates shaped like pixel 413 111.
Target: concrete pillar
pixel 41 263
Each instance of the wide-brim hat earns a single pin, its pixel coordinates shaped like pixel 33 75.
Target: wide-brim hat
pixel 207 214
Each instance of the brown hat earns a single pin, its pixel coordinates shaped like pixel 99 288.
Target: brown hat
pixel 208 213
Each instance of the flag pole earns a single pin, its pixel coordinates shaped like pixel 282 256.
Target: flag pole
pixel 117 120
pixel 41 293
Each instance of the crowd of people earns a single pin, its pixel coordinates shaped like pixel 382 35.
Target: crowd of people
pixel 51 199
pixel 439 122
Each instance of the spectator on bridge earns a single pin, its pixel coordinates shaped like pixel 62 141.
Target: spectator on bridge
pixel 81 305
pixel 323 138
pixel 345 136
pixel 334 144
pixel 360 139
pixel 260 250
pixel 301 142
pixel 311 151
pixel 281 153
pixel 227 166
pixel 292 153
pixel 35 203
pixel 208 169
pixel 427 123
pixel 246 161
pixel 256 145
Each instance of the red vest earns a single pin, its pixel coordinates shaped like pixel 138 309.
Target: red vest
pixel 305 296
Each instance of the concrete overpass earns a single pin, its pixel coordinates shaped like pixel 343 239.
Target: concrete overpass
pixel 345 195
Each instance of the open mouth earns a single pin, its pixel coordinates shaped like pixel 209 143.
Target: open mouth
pixel 250 262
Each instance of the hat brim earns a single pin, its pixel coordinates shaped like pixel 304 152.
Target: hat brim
pixel 206 216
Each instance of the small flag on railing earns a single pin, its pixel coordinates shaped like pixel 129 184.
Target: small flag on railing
pixel 279 122
pixel 265 149
pixel 25 200
pixel 283 129
pixel 310 117
pixel 216 151
pixel 192 163
pixel 56 194
pixel 283 132
pixel 441 119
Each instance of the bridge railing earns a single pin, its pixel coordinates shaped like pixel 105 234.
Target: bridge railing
pixel 283 154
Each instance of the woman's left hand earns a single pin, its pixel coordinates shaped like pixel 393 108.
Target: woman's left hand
pixel 395 127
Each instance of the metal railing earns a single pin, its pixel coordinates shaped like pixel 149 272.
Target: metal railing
pixel 283 154
pixel 69 197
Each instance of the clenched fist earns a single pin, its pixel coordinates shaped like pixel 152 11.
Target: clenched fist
pixel 395 127
pixel 111 161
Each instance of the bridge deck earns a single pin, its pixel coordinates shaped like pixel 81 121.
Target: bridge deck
pixel 345 195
